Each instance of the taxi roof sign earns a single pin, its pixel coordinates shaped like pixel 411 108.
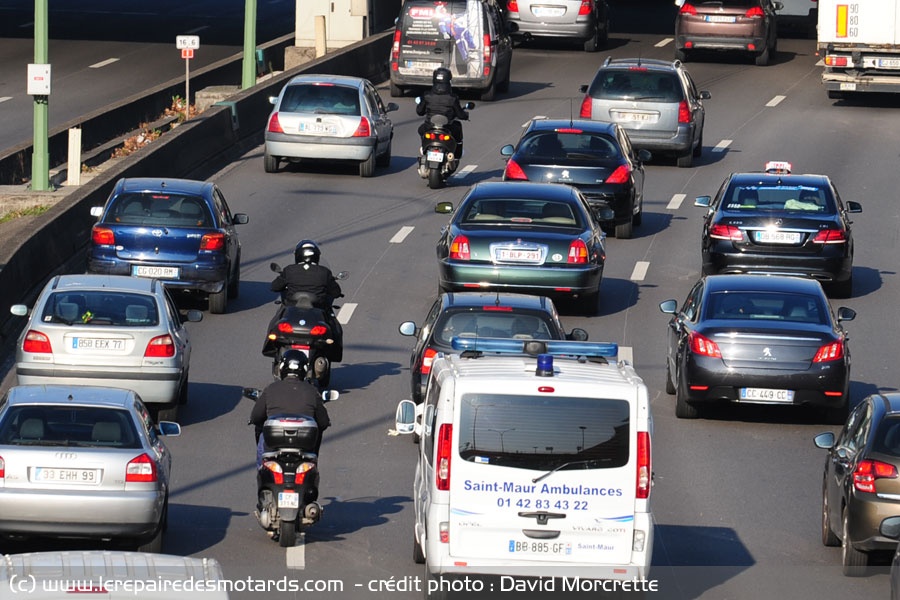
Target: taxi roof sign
pixel 778 167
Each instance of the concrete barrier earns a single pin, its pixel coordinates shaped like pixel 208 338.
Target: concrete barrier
pixel 58 239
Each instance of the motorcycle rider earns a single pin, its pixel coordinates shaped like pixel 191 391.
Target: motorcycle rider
pixel 441 100
pixel 291 395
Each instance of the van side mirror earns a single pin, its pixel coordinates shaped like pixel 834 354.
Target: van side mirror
pixel 405 420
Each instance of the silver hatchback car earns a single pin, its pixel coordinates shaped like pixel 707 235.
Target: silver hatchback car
pixel 107 330
pixel 331 117
pixel 655 101
pixel 583 21
pixel 83 462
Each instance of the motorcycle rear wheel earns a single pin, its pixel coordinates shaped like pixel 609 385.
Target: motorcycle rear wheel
pixel 287 533
pixel 435 181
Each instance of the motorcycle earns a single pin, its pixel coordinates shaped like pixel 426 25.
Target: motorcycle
pixel 438 156
pixel 287 481
pixel 299 325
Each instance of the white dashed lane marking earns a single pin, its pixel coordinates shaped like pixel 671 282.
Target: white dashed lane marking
pixel 5 98
pixel 775 101
pixel 675 202
pixel 103 63
pixel 640 270
pixel 626 353
pixel 466 170
pixel 664 42
pixel 722 146
pixel 401 235
pixel 346 312
pixel 296 555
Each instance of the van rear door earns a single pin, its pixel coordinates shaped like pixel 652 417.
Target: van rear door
pixel 441 34
pixel 543 477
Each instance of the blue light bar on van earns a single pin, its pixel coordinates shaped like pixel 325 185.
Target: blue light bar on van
pixel 535 347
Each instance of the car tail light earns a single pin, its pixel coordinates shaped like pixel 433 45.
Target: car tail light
pixel 726 232
pixel 275 469
pixel 442 473
pixel 102 236
pixel 586 8
pixel 395 48
pixel 837 61
pixel 586 104
pixel 212 242
pixel 830 236
pixel 140 469
pixel 620 175
pixel 36 342
pixel 274 125
pixel 486 55
pixel 459 248
pixel 2 468
pixel 578 253
pixel 867 471
pixel 684 113
pixel 514 171
pixel 755 12
pixel 284 327
pixel 427 359
pixel 161 346
pixel 703 346
pixel 318 330
pixel 688 9
pixel 643 465
pixel 364 129
pixel 828 352
pixel 512 6
pixel 444 532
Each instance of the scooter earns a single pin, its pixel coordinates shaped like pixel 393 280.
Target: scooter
pixel 299 325
pixel 439 154
pixel 287 481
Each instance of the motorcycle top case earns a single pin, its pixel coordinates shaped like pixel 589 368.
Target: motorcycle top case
pixel 291 432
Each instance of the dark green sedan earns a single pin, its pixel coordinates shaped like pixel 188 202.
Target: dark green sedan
pixel 533 238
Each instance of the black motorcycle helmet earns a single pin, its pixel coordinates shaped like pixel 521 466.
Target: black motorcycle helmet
pixel 441 75
pixel 307 251
pixel 293 362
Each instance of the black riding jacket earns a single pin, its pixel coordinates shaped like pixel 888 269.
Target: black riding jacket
pixel 312 278
pixel 290 396
pixel 440 100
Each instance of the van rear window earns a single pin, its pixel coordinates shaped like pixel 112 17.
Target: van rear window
pixel 542 433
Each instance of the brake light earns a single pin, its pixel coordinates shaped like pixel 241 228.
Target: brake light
pixel 364 129
pixel 284 327
pixel 643 465
pixel 274 125
pixel 586 8
pixel 161 346
pixel 867 471
pixel 395 49
pixel 578 253
pixel 36 342
pixel 438 136
pixel 830 236
pixel 684 113
pixel 586 104
pixel 459 248
pixel 688 9
pixel 442 473
pixel 703 346
pixel 497 308
pixel 212 242
pixel 512 6
pixel 720 231
pixel 275 469
pixel 828 352
pixel 755 12
pixel 620 175
pixel 514 171
pixel 102 236
pixel 427 359
pixel 2 468
pixel 300 475
pixel 318 330
pixel 140 469
pixel 486 57
pixel 837 61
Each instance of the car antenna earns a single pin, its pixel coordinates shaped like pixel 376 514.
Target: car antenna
pixel 571 113
pixel 497 299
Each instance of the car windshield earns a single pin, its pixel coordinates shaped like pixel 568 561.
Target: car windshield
pixel 526 212
pixel 63 425
pixel 577 144
pixel 101 307
pixel 320 99
pixel 778 198
pixel 155 209
pixel 772 306
pixel 532 432
pixel 614 84
pixel 495 323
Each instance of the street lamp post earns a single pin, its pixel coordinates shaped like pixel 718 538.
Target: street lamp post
pixel 501 432
pixel 582 428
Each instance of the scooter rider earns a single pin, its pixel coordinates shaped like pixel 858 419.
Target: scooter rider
pixel 291 395
pixel 441 100
pixel 307 275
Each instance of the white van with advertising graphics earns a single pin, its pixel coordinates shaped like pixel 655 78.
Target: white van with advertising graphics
pixel 534 469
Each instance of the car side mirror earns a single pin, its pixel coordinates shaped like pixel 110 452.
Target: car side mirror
pixel 578 334
pixel 583 89
pixel 405 419
pixel 704 201
pixel 644 155
pixel 407 328
pixel 240 219
pixel 97 211
pixel 670 307
pixel 19 310
pixel 273 100
pixel 507 150
pixel 391 107
pixel 853 207
pixel 193 316
pixel 704 95
pixel 444 208
pixel 845 314
pixel 825 440
pixel 168 428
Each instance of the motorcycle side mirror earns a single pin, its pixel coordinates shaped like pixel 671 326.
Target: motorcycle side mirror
pixel 469 105
pixel 275 267
pixel 342 275
pixel 329 395
pixel 252 393
pixel 418 99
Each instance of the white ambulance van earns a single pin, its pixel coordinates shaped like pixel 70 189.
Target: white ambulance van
pixel 534 469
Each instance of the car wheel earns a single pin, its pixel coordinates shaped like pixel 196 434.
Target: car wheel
pixel 504 85
pixel 683 408
pixel 698 151
pixel 367 167
pixel 490 94
pixel 396 90
pixel 762 59
pixel 287 534
pixel 418 555
pixel 625 230
pixel 154 544
pixel 835 95
pixel 842 289
pixel 588 304
pixel 604 35
pixel 183 390
pixel 219 301
pixel 234 283
pixel 681 55
pixel 670 385
pixel 270 163
pixel 829 537
pixel 384 161
pixel 638 217
pixel 853 561
pixel 592 44
pixel 685 160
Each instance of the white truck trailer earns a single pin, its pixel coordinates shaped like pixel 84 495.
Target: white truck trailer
pixel 859 43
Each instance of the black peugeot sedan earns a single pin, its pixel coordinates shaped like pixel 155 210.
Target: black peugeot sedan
pixel 780 223
pixel 594 156
pixel 757 339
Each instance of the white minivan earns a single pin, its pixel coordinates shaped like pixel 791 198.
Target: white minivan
pixel 534 468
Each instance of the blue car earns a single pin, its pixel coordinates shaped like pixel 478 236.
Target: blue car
pixel 179 231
